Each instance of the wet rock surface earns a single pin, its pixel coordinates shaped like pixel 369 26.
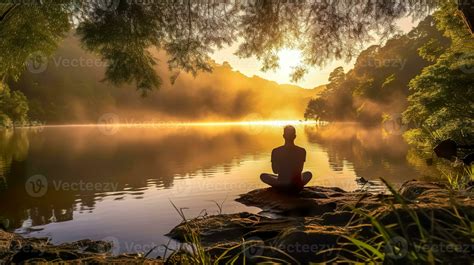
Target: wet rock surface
pixel 314 225
pixel 15 249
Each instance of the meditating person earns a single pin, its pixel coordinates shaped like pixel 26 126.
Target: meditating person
pixel 287 164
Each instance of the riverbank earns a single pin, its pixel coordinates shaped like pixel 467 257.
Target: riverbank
pixel 421 221
pixel 15 249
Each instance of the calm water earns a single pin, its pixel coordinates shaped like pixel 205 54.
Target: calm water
pixel 72 183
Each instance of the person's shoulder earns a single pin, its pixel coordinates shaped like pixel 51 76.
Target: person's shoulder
pixel 279 149
pixel 301 149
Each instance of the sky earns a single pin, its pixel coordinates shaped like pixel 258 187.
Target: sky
pixel 290 58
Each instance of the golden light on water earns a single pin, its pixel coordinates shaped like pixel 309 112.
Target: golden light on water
pixel 275 123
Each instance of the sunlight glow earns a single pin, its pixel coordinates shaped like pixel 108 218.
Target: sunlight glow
pixel 289 57
pixel 276 123
pixel 288 60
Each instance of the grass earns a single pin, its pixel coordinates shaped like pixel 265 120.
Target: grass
pixel 428 236
pixel 403 233
pixel 459 180
pixel 193 251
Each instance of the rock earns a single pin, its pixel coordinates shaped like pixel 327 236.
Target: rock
pixel 447 149
pixel 18 250
pixel 312 201
pixel 309 227
pixel 412 189
pixel 468 159
pixel 337 218
pixel 231 228
pixel 97 246
pixel 306 245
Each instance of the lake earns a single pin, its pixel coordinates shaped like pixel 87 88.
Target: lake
pixel 117 183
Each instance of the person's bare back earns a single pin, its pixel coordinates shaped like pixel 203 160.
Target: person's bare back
pixel 287 163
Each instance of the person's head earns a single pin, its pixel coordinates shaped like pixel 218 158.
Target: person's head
pixel 289 133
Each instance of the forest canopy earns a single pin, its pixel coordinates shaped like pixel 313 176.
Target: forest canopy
pixel 425 74
pixel 424 79
pixel 123 31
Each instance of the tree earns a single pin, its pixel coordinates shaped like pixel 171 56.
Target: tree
pixel 30 30
pixel 378 84
pixel 316 110
pixel 441 105
pixel 13 107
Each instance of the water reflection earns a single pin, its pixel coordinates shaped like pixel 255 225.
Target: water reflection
pixel 100 185
pixel 126 163
pixel 371 153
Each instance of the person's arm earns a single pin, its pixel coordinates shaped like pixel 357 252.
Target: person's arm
pixel 275 165
pixel 303 160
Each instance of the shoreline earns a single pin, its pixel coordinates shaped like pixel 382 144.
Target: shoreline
pixel 331 225
pixel 305 228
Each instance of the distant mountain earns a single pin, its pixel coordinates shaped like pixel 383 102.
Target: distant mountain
pixel 71 90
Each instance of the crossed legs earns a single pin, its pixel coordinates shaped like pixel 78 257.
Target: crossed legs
pixel 273 181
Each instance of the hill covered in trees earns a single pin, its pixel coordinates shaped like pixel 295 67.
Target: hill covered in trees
pixel 71 90
pixel 424 77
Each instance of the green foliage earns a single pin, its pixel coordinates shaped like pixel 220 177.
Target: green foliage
pixel 316 109
pixel 459 180
pixel 378 83
pixel 334 102
pixel 30 29
pixel 5 121
pixel 441 103
pixel 13 107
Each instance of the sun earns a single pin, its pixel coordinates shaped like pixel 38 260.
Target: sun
pixel 288 59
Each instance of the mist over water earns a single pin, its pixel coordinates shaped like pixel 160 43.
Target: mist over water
pixel 121 183
pixel 70 92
